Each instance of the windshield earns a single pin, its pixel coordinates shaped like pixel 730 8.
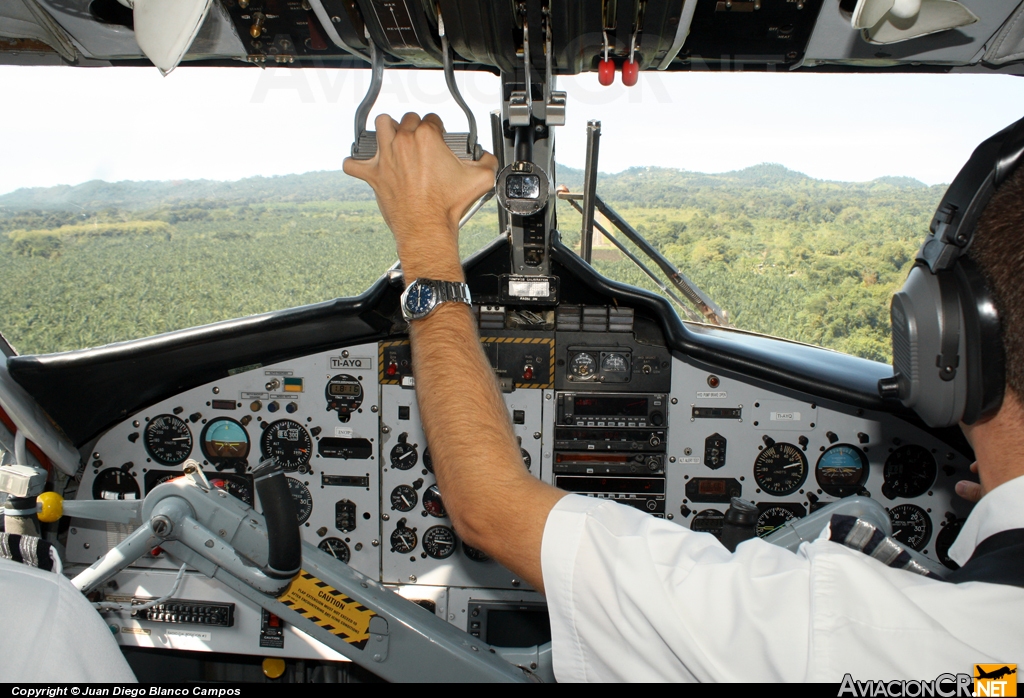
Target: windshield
pixel 134 204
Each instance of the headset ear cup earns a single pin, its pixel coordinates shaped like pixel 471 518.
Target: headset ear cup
pixel 927 342
pixel 985 354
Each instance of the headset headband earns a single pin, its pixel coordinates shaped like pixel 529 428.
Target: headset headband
pixel 956 218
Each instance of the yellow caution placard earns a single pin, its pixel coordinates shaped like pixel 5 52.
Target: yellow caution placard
pixel 324 605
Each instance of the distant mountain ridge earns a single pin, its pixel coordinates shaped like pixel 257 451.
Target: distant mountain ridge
pixel 337 186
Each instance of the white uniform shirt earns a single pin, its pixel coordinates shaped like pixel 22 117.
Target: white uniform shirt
pixel 635 598
pixel 51 633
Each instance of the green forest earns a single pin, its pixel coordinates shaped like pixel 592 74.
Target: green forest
pixel 783 254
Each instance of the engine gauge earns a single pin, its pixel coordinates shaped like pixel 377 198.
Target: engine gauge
pixel 773 518
pixel 225 443
pixel 474 554
pixel 336 548
pixel 403 538
pixel 288 443
pixel 911 525
pixel 708 521
pixel 303 500
pixel 945 539
pixel 432 502
pixel 428 460
pixel 404 498
pixel 527 461
pixel 344 395
pixel 439 542
pixel 614 362
pixel 583 365
pixel 238 486
pixel 168 439
pixel 842 470
pixel 909 472
pixel 780 469
pixel 115 483
pixel 404 455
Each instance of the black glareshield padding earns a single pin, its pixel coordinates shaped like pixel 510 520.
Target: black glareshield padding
pixel 986 356
pixel 285 554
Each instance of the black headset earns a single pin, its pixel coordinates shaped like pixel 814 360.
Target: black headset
pixel 947 350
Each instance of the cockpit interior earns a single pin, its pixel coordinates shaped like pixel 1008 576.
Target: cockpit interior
pixel 654 401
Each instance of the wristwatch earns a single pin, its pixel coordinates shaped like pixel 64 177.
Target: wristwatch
pixel 423 295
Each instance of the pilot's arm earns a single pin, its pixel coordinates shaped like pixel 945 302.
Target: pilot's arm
pixel 423 190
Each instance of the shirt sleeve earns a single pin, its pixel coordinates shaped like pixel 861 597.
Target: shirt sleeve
pixel 636 598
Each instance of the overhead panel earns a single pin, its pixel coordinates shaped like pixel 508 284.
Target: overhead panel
pixel 834 41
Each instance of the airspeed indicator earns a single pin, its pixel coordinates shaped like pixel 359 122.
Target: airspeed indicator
pixel 780 469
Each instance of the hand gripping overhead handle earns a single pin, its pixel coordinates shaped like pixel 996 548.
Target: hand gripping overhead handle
pixel 464 145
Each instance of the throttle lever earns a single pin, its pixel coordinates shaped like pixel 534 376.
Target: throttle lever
pixel 464 145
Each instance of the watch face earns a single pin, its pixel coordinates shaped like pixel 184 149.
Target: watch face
pixel 420 299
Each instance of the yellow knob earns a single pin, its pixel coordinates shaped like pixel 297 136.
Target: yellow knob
pixel 273 667
pixel 51 507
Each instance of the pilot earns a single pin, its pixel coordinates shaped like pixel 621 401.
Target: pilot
pixel 636 598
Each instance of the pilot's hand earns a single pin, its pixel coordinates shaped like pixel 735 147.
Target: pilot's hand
pixel 423 190
pixel 971 491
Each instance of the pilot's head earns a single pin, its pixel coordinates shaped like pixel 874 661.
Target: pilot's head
pixel 998 251
pixel 958 321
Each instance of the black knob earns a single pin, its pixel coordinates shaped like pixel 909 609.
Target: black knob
pixel 657 419
pixel 655 441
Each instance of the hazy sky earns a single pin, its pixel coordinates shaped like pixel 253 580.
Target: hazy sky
pixel 70 125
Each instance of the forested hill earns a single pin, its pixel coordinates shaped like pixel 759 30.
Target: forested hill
pixel 643 186
pixel 784 254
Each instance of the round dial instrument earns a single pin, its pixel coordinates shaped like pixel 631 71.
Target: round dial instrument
pixel 439 542
pixel 225 442
pixel 168 439
pixel 303 500
pixel 614 362
pixel 842 470
pixel 288 443
pixel 947 535
pixel 404 498
pixel 238 486
pixel 909 472
pixel 780 469
pixel 404 455
pixel 433 504
pixel 708 521
pixel 336 548
pixel 773 518
pixel 474 554
pixel 911 525
pixel 428 460
pixel 527 461
pixel 344 395
pixel 403 538
pixel 583 365
pixel 115 483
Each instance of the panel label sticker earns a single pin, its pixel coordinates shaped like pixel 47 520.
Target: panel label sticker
pixel 279 373
pixel 336 613
pixel 712 395
pixel 193 634
pixel 353 362
pixel 785 416
pixel 343 432
pixel 136 631
pixel 690 460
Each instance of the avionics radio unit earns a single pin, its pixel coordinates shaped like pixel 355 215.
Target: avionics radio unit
pixel 643 493
pixel 617 422
pixel 629 410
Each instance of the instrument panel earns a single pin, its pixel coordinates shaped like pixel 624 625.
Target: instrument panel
pixel 602 409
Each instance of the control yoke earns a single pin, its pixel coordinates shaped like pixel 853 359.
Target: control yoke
pixel 262 558
pixel 464 145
